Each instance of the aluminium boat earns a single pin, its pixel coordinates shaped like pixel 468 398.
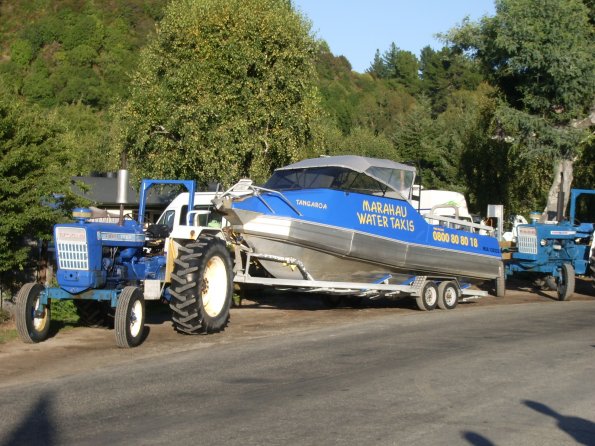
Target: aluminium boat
pixel 351 219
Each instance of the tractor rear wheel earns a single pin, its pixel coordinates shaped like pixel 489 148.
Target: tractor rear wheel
pixel 201 286
pixel 129 321
pixel 92 313
pixel 566 282
pixel 31 328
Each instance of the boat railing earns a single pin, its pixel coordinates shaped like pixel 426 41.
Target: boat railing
pixel 245 186
pixel 446 206
pixel 454 223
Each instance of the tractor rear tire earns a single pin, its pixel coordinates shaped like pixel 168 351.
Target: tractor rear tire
pixel 31 329
pixel 428 299
pixel 201 286
pixel 93 313
pixel 129 321
pixel 566 282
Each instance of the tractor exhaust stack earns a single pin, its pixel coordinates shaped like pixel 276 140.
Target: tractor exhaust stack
pixel 122 197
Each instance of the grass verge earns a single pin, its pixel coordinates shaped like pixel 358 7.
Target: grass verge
pixel 7 332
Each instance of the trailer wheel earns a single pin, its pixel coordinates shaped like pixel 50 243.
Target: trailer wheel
pixel 566 282
pixel 129 321
pixel 448 295
pixel 201 286
pixel 429 297
pixel 92 313
pixel 31 329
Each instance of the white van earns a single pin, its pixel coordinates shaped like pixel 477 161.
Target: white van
pixel 441 202
pixel 176 213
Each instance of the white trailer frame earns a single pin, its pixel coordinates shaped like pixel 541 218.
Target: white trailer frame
pixel 364 289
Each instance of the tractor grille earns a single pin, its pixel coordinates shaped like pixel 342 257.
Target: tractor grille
pixel 527 240
pixel 71 244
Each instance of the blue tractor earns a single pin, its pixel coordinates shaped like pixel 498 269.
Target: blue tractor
pixel 109 269
pixel 554 253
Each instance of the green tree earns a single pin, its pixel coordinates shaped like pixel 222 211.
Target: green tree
pixel 539 54
pixel 496 172
pixel 416 140
pixel 225 89
pixel 329 140
pixel 377 67
pixel 402 67
pixel 444 72
pixel 34 180
pixel 353 100
pixel 69 51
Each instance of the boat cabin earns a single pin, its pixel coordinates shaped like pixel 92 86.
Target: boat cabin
pixel 379 177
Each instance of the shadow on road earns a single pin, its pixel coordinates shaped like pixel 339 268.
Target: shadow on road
pixel 292 300
pixel 476 439
pixel 527 285
pixel 580 429
pixel 36 428
pixel 583 286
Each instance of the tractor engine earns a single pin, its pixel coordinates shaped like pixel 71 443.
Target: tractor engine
pixel 95 255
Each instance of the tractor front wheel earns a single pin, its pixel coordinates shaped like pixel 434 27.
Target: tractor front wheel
pixel 31 326
pixel 129 320
pixel 566 282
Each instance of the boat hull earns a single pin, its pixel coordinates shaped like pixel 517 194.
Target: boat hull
pixel 334 253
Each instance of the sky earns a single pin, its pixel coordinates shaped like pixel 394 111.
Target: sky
pixel 357 28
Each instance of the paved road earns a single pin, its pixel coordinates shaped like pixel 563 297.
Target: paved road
pixel 504 375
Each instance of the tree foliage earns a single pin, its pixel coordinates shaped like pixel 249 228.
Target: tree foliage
pixel 224 90
pixel 445 72
pixel 34 178
pixel 72 51
pixel 353 100
pixel 540 56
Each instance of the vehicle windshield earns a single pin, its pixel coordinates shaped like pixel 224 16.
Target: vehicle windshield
pixel 204 217
pixel 167 219
pixel 378 181
pixel 399 180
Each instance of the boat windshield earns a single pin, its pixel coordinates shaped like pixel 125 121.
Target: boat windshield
pixel 378 181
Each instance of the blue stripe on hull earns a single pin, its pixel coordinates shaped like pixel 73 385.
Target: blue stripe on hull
pixel 378 216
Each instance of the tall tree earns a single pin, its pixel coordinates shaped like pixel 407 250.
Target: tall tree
pixel 403 67
pixel 539 54
pixel 34 180
pixel 444 72
pixel 377 67
pixel 224 90
pixel 417 141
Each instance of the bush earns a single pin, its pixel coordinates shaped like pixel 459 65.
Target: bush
pixel 21 52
